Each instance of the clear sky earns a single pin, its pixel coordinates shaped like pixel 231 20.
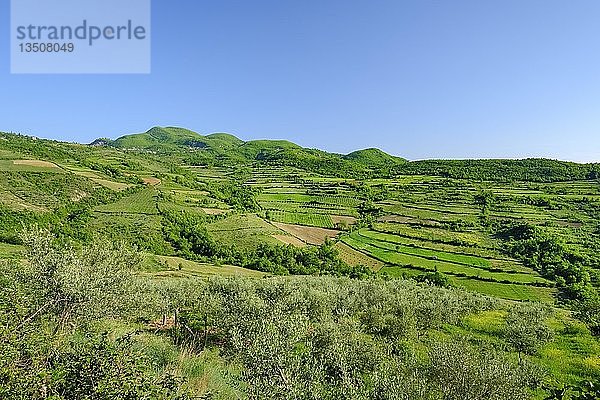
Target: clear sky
pixel 416 78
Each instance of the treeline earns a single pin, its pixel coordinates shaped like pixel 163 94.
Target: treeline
pixel 43 149
pixel 527 170
pixel 362 164
pixel 579 284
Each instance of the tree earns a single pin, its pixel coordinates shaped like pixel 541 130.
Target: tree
pixel 485 199
pixel 461 371
pixel 525 330
pixel 588 310
pixel 69 287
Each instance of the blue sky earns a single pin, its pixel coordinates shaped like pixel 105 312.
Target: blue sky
pixel 416 78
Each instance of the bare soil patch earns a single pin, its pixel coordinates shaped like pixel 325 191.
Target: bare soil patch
pixel 118 186
pixel 290 240
pixel 343 219
pixel 151 181
pixel 214 211
pixel 355 258
pixel 308 234
pixel 36 163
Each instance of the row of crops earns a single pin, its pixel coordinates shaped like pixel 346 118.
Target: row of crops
pixel 430 260
pixel 141 202
pixel 429 224
pixel 318 220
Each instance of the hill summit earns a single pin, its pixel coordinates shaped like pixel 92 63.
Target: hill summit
pixel 226 146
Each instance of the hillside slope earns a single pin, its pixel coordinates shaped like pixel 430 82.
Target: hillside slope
pixel 226 148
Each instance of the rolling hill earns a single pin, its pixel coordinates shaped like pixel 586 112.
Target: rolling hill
pixel 228 148
pixel 494 233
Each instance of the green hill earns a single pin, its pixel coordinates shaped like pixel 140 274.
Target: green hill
pixel 225 139
pixel 374 157
pixel 226 149
pixel 158 138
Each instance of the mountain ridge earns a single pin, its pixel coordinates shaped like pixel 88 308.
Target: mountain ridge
pixel 183 146
pixel 181 136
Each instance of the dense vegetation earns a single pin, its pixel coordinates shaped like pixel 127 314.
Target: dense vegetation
pixel 533 170
pixel 382 278
pixel 371 162
pixel 272 338
pixel 191 240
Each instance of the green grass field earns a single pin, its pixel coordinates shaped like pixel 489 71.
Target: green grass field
pixel 244 230
pixel 142 202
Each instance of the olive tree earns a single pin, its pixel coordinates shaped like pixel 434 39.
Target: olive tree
pixel 70 286
pixel 525 329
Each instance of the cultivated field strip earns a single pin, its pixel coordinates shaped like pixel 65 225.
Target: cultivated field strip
pixel 422 259
pixel 298 218
pixel 478 256
pixel 142 202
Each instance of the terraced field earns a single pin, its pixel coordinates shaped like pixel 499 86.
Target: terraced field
pixel 296 218
pixel 430 223
pixel 141 202
pixel 399 226
pixel 355 258
pixel 307 234
pixel 29 165
pixel 244 230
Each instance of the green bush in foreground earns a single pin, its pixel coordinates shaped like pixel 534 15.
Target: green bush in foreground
pixel 273 338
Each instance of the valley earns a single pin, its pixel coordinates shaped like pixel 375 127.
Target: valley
pixel 214 207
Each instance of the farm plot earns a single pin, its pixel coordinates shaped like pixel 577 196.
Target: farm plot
pixel 29 166
pixel 387 253
pixel 436 208
pixel 342 220
pixel 308 234
pixel 151 181
pixel 142 230
pixel 208 172
pixel 387 242
pixel 289 239
pixel 297 218
pixel 323 200
pixel 484 258
pixel 16 203
pixel 195 198
pixel 355 258
pixel 36 163
pixel 500 290
pixel 39 191
pixel 116 186
pixel 293 207
pixel 507 291
pixel 243 230
pixel 428 214
pixel 142 202
pixel 412 240
pixel 437 235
